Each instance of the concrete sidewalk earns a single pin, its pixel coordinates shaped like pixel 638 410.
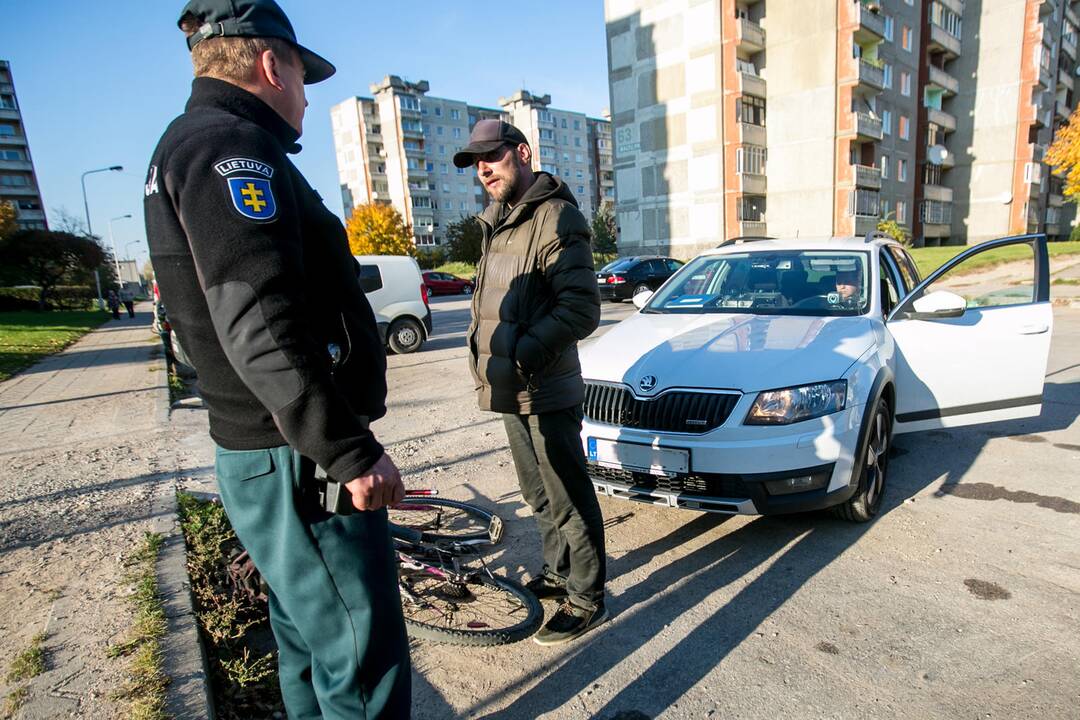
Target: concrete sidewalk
pixel 86 469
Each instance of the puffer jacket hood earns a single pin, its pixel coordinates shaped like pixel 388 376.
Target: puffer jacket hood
pixel 535 297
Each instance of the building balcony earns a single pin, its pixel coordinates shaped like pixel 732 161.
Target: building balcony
pixel 941 118
pixel 1053 229
pixel 751 85
pixel 19 191
pixel 752 228
pixel 24 165
pixel 752 183
pixel 868 176
pixel 871 27
pixel 1062 109
pixel 1070 15
pixel 940 40
pixel 31 215
pixel 1065 79
pixel 1044 109
pixel 940 79
pixel 750 36
pixel 938 192
pixel 1037 152
pixel 17 140
pixel 871 76
pixel 1069 46
pixel 867 126
pixel 936 230
pixel 412 132
pixel 9 114
pixel 957 6
pixel 865 223
pixel 750 134
pixel 1056 200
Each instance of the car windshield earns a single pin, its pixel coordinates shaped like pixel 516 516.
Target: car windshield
pixel 618 265
pixel 790 282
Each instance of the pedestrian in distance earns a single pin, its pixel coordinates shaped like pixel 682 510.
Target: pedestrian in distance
pixel 128 298
pixel 259 281
pixel 535 298
pixel 113 301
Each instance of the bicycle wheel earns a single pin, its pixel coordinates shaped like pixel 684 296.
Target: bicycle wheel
pixel 443 519
pixel 480 610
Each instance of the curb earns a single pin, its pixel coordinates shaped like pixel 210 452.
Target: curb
pixel 183 655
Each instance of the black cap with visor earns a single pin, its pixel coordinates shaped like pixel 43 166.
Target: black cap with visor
pixel 252 18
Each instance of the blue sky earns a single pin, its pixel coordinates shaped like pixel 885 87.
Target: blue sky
pixel 97 84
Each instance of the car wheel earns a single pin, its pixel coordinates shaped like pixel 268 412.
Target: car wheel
pixel 467 290
pixel 405 336
pixel 641 287
pixel 871 468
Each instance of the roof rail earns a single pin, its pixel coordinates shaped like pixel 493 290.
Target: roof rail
pixel 879 235
pixel 739 240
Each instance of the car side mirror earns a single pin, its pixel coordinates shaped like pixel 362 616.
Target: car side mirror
pixel 938 304
pixel 642 298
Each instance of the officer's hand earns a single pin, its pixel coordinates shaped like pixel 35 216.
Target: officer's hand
pixel 379 487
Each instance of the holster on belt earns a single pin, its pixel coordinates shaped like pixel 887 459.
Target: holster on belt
pixel 333 496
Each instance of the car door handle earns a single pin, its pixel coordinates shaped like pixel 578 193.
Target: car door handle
pixel 1033 329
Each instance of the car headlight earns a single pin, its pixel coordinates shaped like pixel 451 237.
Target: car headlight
pixel 795 404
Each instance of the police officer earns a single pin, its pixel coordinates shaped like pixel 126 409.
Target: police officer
pixel 260 285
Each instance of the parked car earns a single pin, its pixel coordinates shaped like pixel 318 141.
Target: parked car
pixel 398 296
pixel 440 283
pixel 623 278
pixel 770 376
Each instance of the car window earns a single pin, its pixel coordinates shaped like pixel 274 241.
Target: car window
pixel 656 267
pixel 619 264
pixel 909 273
pixel 992 291
pixel 890 296
pixel 787 282
pixel 673 265
pixel 369 277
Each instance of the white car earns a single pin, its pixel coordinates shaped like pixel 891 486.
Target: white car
pixel 399 298
pixel 769 376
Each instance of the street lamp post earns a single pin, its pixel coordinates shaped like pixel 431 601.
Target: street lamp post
pixel 89 231
pixel 116 255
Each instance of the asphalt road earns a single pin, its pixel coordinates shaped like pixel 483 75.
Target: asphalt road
pixel 960 601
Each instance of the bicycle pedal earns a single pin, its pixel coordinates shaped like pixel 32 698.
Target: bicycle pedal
pixel 495 529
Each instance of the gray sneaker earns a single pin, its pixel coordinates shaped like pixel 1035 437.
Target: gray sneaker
pixel 569 622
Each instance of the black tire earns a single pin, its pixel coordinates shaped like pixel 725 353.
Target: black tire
pixel 487 610
pixel 871 469
pixel 405 336
pixel 442 519
pixel 467 290
pixel 641 287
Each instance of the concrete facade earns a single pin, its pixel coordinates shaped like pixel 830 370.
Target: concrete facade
pixel 397 146
pixel 18 182
pixel 927 112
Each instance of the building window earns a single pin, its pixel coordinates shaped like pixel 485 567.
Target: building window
pixel 931 174
pixel 935 212
pixel 411 145
pixel 751 208
pixel 413 164
pixel 442 168
pixel 439 130
pixel 581 189
pixel 460 171
pixel 934 135
pixel 549 168
pixel 422 201
pixel 945 19
pixel 14 180
pixel 547 134
pixel 455 114
pixel 905 84
pixel 577 124
pixel 750 159
pixel 430 167
pixel 577 157
pixel 8 130
pixel 905 128
pixel 886 70
pixel 7 102
pixel 901 212
pixel 563 123
pixel 886 122
pixel 547 152
pixel 408 102
pixel 884 167
pixel 864 203
pixel 888 27
pixel 905 38
pixel 438 111
pixel 442 149
pixel 457 132
pixel 12 155
pixel 577 141
pixel 545 116
pixel 901 170
pixel 446 187
pixel 750 109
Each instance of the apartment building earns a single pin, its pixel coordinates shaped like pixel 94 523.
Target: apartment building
pixel 819 118
pixel 18 183
pixel 602 149
pixel 397 147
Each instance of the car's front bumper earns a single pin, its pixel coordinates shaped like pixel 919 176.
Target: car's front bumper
pixel 729 468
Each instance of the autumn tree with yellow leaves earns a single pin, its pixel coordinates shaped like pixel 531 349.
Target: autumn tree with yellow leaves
pixel 7 219
pixel 378 230
pixel 1064 155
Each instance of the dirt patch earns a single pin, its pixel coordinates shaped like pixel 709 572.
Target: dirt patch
pixel 827 648
pixel 1028 438
pixel 986 491
pixel 986 590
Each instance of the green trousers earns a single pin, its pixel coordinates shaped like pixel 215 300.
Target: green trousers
pixel 334 604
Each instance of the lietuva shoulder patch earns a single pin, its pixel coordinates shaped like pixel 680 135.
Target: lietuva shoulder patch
pixel 249 186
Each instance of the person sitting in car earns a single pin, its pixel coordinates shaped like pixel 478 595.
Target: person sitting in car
pixel 848 287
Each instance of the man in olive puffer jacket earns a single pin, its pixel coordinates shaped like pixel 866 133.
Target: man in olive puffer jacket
pixel 535 298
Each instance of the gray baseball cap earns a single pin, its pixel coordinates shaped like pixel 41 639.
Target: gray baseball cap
pixel 253 18
pixel 486 136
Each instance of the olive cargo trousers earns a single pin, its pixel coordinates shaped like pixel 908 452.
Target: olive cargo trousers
pixel 334 604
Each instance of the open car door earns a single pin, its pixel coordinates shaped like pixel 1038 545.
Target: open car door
pixel 973 351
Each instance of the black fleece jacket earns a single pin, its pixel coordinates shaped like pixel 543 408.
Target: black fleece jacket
pixel 258 281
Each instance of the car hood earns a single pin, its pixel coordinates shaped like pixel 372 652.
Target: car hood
pixel 730 351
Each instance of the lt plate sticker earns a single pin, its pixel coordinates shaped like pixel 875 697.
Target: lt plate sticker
pixel 252 197
pixel 592 449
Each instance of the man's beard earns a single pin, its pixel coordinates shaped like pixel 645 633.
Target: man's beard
pixel 506 190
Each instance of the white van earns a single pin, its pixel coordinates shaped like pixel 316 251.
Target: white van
pixel 396 291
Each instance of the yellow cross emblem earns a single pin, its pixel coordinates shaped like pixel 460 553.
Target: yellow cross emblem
pixel 251 197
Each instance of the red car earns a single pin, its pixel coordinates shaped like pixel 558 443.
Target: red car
pixel 440 283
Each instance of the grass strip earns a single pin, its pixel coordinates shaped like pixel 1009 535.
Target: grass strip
pixel 27 664
pixel 26 337
pixel 234 626
pixel 929 259
pixel 145 689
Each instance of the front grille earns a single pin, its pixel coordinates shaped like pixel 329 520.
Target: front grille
pixel 680 411
pixel 706 484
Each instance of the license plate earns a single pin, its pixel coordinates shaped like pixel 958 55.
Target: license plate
pixel 635 456
pixel 601 281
